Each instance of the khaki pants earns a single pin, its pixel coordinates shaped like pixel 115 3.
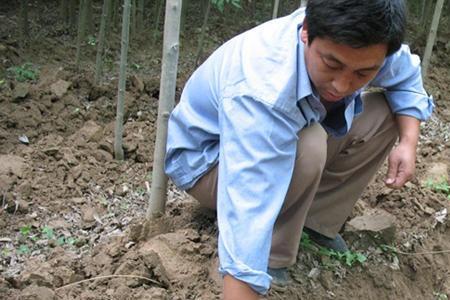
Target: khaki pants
pixel 328 178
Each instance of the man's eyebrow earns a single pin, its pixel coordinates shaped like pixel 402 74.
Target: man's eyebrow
pixel 334 59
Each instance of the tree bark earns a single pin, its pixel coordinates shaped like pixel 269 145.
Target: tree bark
pixel 158 191
pixel 276 5
pixel 158 16
pixel 431 37
pixel 118 132
pixel 81 31
pixel 24 26
pixel 201 40
pixel 106 11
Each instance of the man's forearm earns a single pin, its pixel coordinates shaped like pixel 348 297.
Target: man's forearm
pixel 409 129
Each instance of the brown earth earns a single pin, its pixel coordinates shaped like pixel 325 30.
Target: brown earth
pixel 70 212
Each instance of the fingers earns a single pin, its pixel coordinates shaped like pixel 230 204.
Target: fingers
pixel 392 172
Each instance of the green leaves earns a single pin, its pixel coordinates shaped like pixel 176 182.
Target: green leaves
pixel 220 4
pixel 349 258
pixel 441 187
pixel 25 72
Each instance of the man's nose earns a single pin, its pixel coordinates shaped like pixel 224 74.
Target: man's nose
pixel 342 84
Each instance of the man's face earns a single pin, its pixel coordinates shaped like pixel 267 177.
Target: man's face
pixel 338 70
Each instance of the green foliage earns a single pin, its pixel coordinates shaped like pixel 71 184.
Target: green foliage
pixel 48 232
pixel 91 40
pixel 220 4
pixel 25 72
pixel 34 235
pixel 440 296
pixel 23 249
pixel 440 187
pixel 25 230
pixel 349 258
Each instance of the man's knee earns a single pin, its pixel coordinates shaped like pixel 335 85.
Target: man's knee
pixel 312 149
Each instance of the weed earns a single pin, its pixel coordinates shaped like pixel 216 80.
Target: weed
pixel 349 257
pixel 440 296
pixel 24 72
pixel 48 232
pixel 25 230
pixel 136 66
pixel 441 187
pixel 23 249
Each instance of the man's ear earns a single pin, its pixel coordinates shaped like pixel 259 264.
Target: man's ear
pixel 304 32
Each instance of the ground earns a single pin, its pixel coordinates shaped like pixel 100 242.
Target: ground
pixel 70 212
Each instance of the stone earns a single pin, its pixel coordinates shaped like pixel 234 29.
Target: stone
pixel 21 91
pixel 11 164
pixel 374 227
pixel 60 87
pixel 137 83
pixel 435 173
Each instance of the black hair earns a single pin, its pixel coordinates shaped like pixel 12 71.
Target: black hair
pixel 358 23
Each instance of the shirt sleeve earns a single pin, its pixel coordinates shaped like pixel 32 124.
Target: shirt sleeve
pixel 257 154
pixel 401 78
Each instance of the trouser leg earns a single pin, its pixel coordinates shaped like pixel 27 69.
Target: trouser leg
pixel 352 162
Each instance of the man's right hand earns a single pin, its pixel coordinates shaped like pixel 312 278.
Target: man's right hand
pixel 234 289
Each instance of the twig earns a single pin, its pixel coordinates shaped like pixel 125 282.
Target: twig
pixel 422 253
pixel 109 276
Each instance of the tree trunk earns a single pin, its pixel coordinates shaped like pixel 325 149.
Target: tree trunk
pixel 118 132
pixel 81 31
pixel 183 14
pixel 24 26
pixel 65 12
pixel 72 13
pixel 106 11
pixel 431 37
pixel 89 18
pixel 158 16
pixel 303 3
pixel 140 16
pixel 158 194
pixel 133 19
pixel 202 34
pixel 276 5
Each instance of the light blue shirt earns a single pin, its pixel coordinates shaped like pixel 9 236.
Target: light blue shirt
pixel 245 107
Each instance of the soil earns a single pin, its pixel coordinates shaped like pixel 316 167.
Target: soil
pixel 70 212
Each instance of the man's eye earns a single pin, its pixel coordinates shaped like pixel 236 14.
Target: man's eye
pixel 331 65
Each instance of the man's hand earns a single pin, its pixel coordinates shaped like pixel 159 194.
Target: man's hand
pixel 402 159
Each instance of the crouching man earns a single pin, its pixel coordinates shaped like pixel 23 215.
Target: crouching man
pixel 275 132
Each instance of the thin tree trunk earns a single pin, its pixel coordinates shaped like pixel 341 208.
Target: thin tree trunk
pixel 89 17
pixel 81 31
pixel 65 12
pixel 118 132
pixel 24 27
pixel 431 37
pixel 106 11
pixel 158 16
pixel 276 5
pixel 158 191
pixel 73 13
pixel 183 14
pixel 140 16
pixel 133 19
pixel 202 34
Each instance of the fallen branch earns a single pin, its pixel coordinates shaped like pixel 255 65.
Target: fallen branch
pixel 109 276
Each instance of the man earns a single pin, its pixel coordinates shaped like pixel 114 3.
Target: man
pixel 274 132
